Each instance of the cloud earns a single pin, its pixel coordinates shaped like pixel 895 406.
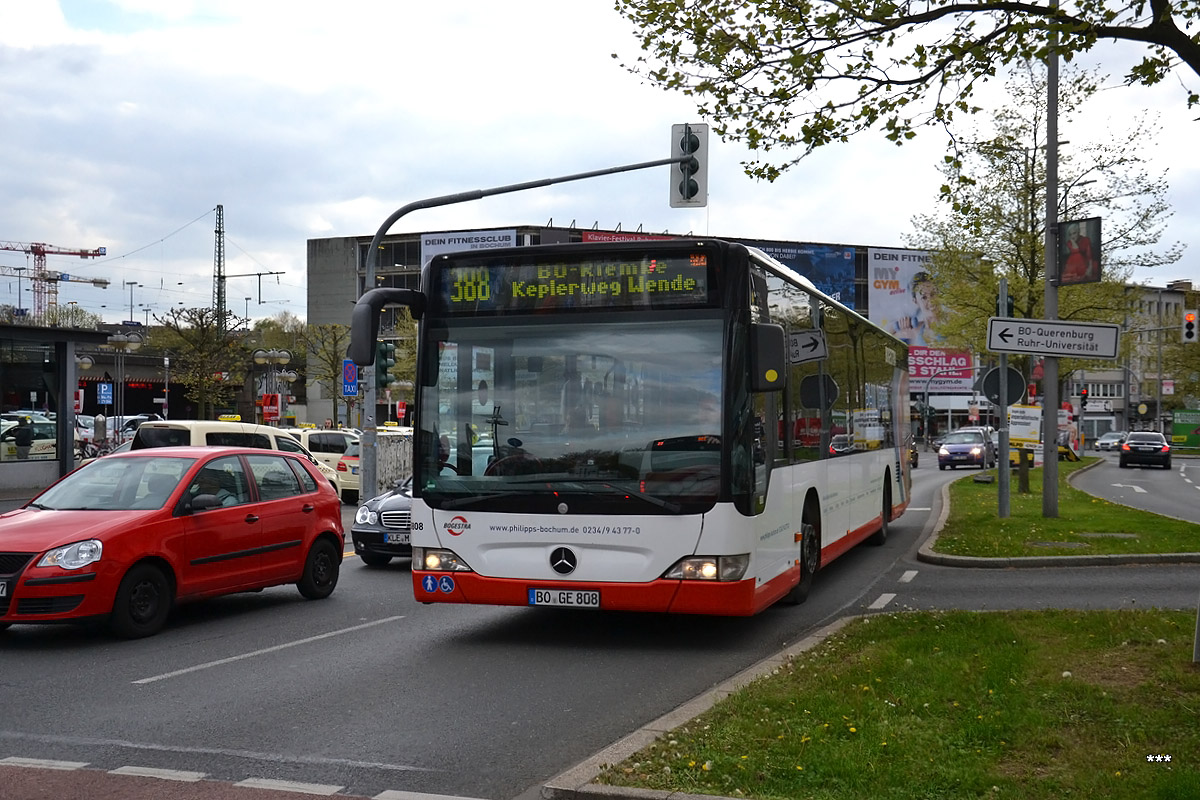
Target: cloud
pixel 127 122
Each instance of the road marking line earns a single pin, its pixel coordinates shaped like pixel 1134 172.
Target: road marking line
pixel 908 576
pixel 916 508
pixel 883 600
pixel 264 651
pixel 394 794
pixel 290 786
pixel 41 763
pixel 274 758
pixel 165 774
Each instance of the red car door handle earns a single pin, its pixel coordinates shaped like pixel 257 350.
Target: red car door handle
pixel 308 507
pixel 251 518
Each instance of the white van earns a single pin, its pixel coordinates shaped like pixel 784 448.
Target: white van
pixel 209 433
pixel 327 446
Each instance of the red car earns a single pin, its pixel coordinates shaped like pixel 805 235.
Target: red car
pixel 127 537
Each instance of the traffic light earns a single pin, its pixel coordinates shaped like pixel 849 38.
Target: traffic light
pixel 1009 308
pixel 1187 329
pixel 385 359
pixel 1083 396
pixel 689 179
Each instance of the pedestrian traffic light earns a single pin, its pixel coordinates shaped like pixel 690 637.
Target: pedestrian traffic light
pixel 689 178
pixel 1083 396
pixel 1187 329
pixel 385 359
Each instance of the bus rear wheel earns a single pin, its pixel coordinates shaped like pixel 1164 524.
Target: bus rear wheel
pixel 880 536
pixel 810 562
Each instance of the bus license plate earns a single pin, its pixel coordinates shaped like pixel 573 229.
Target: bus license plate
pixel 396 538
pixel 570 598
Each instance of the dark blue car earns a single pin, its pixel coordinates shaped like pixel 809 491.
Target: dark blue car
pixel 969 448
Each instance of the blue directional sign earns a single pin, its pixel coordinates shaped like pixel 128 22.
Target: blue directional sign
pixel 349 378
pixel 104 394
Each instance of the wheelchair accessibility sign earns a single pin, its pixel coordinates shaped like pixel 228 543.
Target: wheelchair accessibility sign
pixel 445 584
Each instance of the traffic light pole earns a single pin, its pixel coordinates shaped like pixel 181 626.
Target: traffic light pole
pixel 363 353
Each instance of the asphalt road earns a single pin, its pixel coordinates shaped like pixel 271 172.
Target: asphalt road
pixel 371 694
pixel 1174 492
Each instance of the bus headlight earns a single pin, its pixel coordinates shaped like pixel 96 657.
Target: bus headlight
pixel 710 568
pixel 439 560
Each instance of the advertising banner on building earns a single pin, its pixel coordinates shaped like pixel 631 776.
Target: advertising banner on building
pixel 902 299
pixel 623 236
pixel 1185 428
pixel 433 244
pixel 939 371
pixel 829 267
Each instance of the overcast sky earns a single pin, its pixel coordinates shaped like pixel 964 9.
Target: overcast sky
pixel 124 124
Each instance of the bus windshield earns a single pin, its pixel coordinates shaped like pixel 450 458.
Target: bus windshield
pixel 613 416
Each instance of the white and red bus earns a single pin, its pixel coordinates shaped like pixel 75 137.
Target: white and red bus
pixel 682 426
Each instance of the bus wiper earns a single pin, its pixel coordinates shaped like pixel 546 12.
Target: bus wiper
pixel 462 502
pixel 590 487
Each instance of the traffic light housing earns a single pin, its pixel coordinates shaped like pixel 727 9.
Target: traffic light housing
pixel 1083 398
pixel 689 178
pixel 1009 309
pixel 1187 328
pixel 385 359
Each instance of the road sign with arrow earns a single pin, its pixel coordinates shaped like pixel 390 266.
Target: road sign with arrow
pixel 807 346
pixel 1053 337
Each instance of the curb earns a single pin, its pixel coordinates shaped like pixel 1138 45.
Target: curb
pixel 926 554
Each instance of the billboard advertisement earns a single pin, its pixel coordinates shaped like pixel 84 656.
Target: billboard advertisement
pixel 434 244
pixel 902 299
pixel 620 236
pixel 829 267
pixel 1079 251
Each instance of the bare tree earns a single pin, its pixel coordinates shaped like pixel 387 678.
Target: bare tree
pixel 209 359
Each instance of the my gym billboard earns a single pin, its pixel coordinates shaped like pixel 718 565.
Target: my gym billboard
pixel 902 299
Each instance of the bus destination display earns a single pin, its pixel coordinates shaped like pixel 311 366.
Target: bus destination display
pixel 608 284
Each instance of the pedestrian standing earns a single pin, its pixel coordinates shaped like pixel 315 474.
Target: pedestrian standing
pixel 23 438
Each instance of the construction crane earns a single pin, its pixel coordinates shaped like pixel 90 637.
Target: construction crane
pixel 45 282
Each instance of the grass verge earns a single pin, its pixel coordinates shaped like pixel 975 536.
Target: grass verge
pixel 1032 705
pixel 1085 525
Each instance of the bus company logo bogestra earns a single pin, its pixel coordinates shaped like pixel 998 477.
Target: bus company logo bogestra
pixel 457 526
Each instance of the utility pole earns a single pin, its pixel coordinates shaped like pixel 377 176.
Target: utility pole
pixel 1050 363
pixel 219 270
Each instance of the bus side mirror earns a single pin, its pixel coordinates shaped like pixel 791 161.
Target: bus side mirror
pixel 767 358
pixel 364 322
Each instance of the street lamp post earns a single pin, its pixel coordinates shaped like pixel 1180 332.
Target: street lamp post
pixel 274 378
pixel 131 285
pixel 122 343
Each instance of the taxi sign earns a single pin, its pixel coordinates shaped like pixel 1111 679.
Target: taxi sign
pixel 230 418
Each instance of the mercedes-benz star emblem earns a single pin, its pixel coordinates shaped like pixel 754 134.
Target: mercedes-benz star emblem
pixel 563 561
